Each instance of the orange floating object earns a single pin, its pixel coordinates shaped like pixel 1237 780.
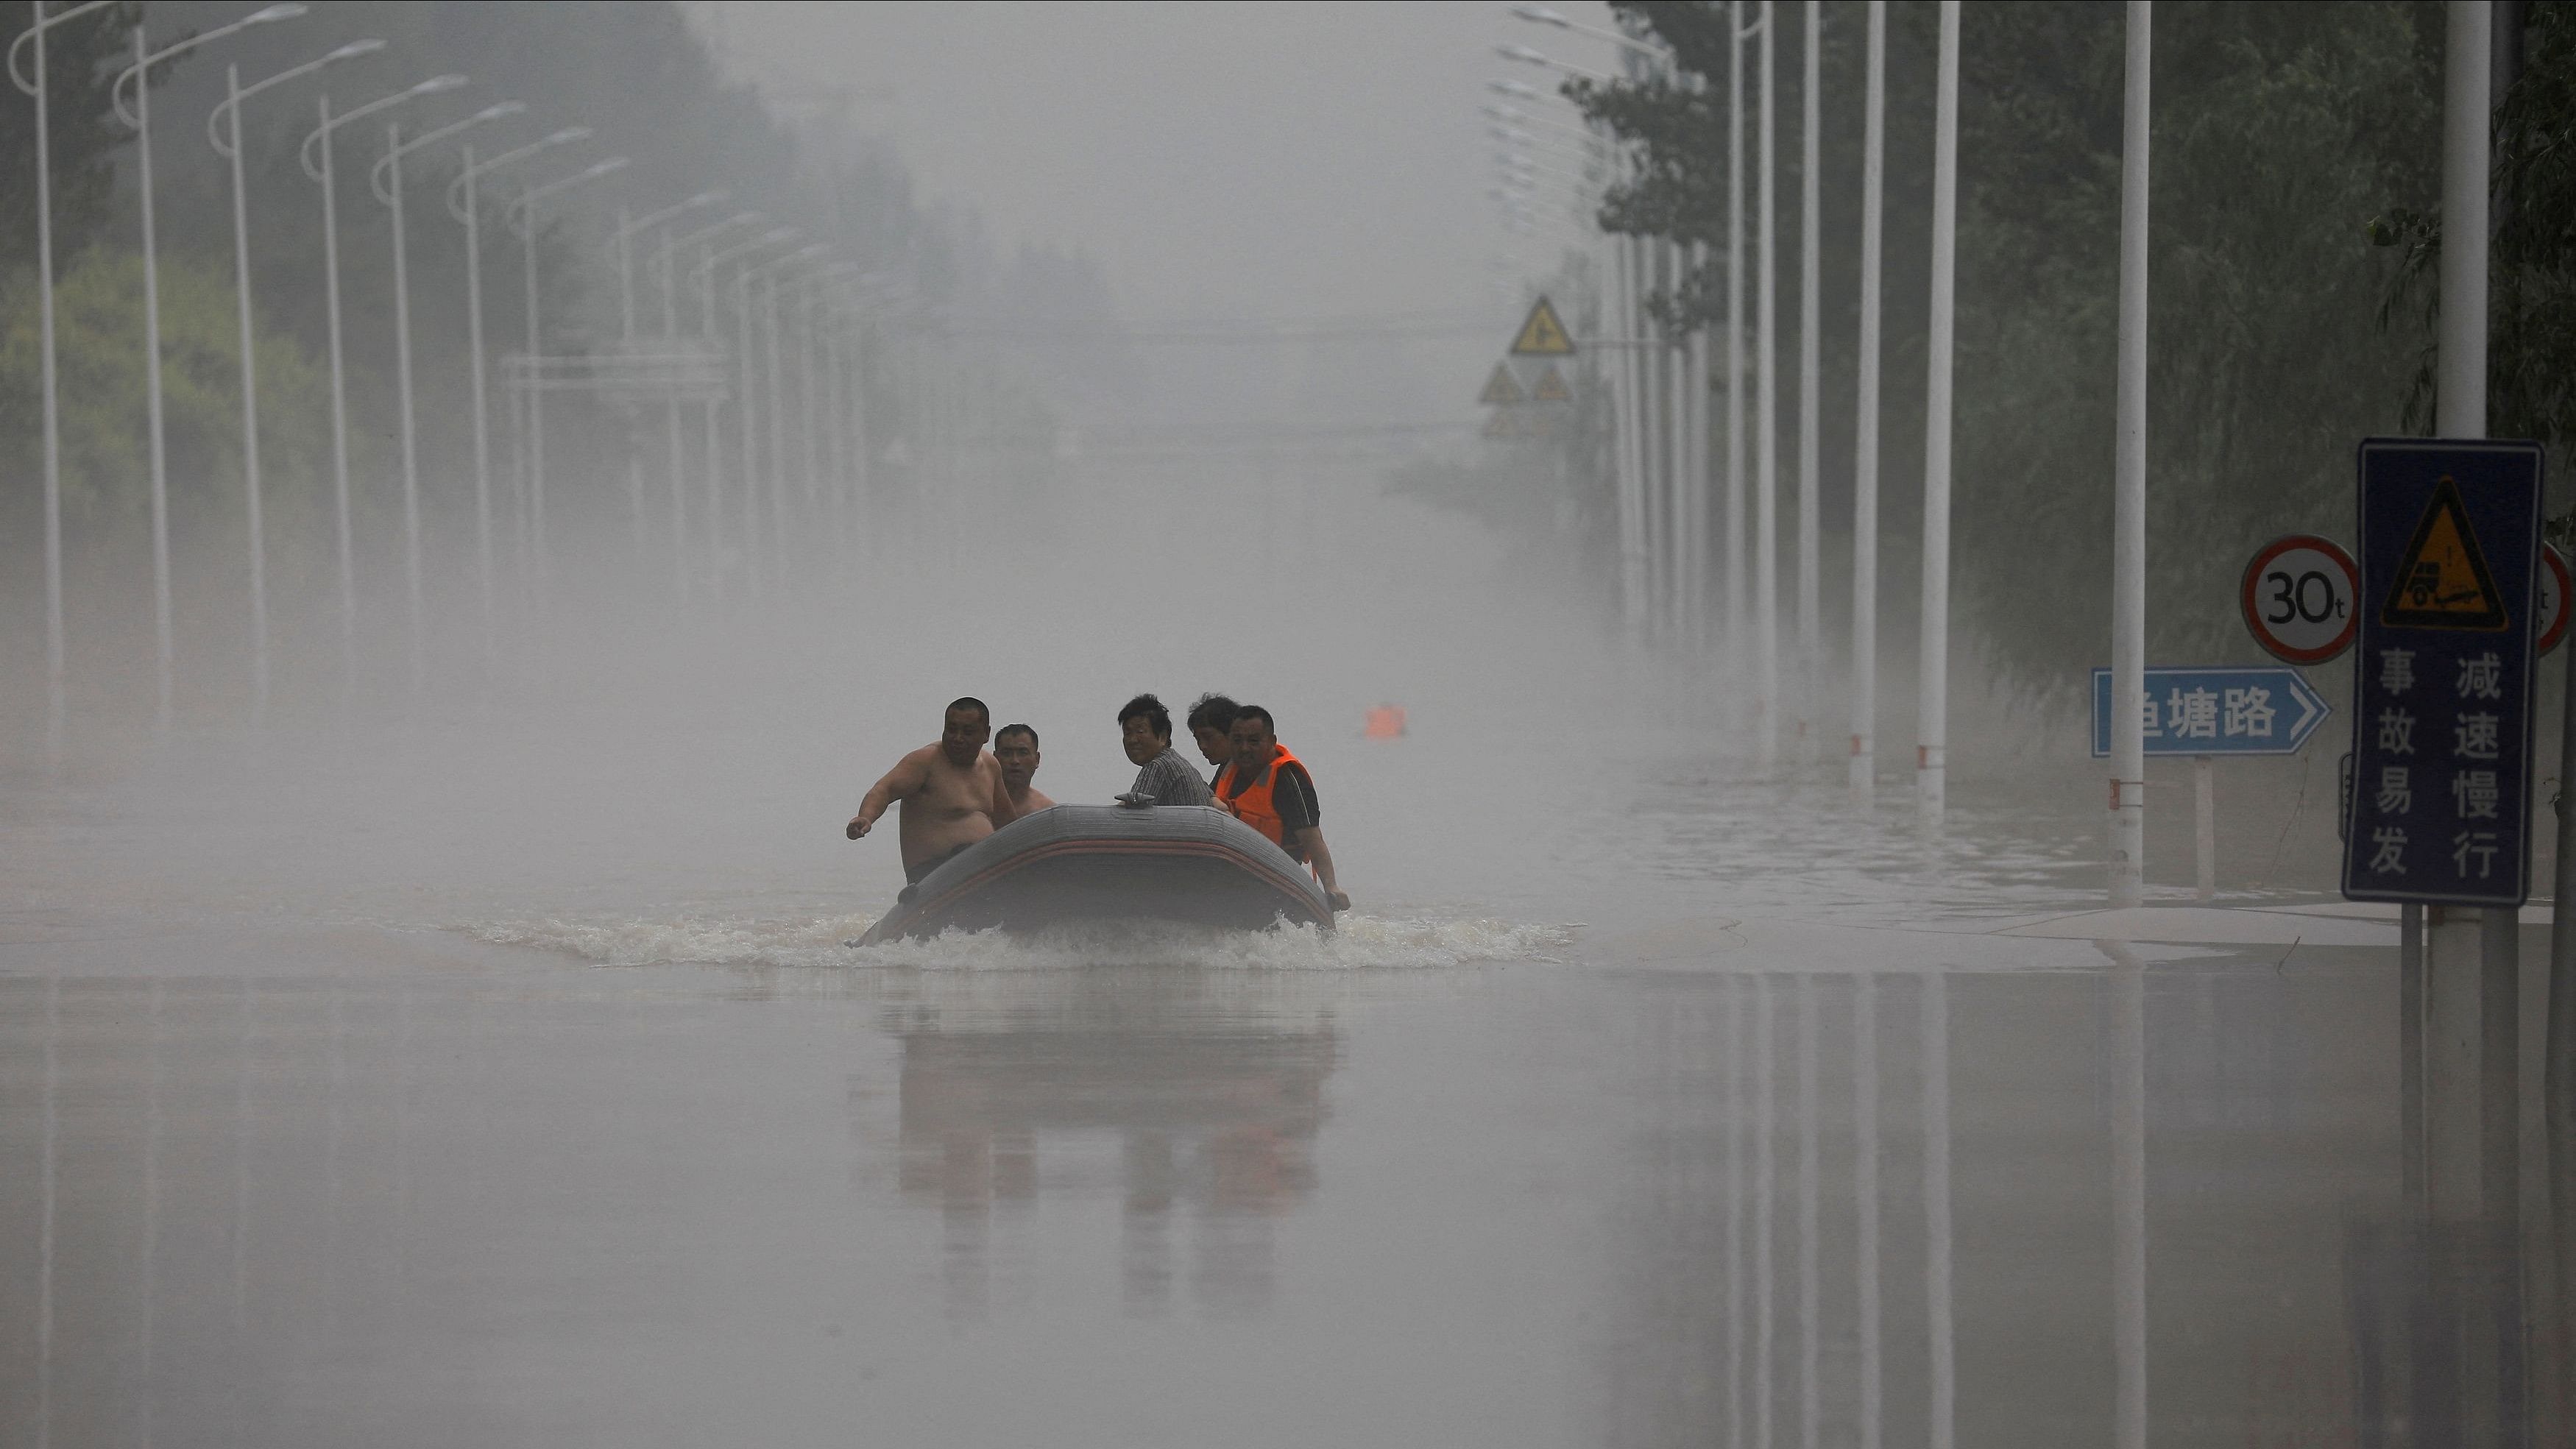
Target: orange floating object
pixel 1385 722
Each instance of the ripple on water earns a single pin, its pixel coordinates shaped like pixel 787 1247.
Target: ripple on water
pixel 1363 942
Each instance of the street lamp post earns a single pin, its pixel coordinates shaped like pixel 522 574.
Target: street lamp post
pixel 776 236
pixel 316 158
pixel 35 86
pixel 469 214
pixel 139 117
pixel 526 209
pixel 1864 664
pixel 386 180
pixel 230 147
pixel 769 271
pixel 622 243
pixel 671 327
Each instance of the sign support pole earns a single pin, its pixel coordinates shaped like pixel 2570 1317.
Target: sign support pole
pixel 2461 360
pixel 2204 825
pixel 1932 708
pixel 2129 505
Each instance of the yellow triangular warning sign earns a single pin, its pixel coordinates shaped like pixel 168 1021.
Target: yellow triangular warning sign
pixel 1502 389
pixel 2442 579
pixel 1499 426
pixel 1542 335
pixel 1551 387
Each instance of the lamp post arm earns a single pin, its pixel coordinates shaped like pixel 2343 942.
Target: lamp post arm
pixel 351 51
pixel 18 77
pixel 313 142
pixel 471 175
pixel 376 176
pixel 526 204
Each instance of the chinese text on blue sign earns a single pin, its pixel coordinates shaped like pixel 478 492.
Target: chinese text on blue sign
pixel 2441 784
pixel 2266 710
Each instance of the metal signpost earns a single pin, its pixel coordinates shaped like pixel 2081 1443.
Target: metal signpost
pixel 2203 713
pixel 2450 557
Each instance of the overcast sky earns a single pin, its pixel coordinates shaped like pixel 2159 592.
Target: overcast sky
pixel 1219 160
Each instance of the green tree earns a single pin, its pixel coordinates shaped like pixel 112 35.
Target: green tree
pixel 2278 130
pixel 107 471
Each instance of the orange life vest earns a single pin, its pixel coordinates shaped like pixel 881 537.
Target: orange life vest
pixel 1255 806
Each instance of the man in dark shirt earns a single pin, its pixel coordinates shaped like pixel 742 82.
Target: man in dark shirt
pixel 1145 730
pixel 1212 725
pixel 1268 789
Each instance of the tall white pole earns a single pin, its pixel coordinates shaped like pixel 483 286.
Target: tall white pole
pixel 482 404
pixel 339 398
pixel 53 423
pixel 626 318
pixel 1766 432
pixel 777 437
pixel 750 423
pixel 1811 671
pixel 249 404
pixel 1932 728
pixel 163 632
pixel 715 433
pixel 1702 475
pixel 671 410
pixel 1738 592
pixel 403 387
pixel 2467 80
pixel 1864 662
pixel 536 404
pixel 2129 506
pixel 1631 459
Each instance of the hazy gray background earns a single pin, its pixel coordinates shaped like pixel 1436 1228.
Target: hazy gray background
pixel 1262 161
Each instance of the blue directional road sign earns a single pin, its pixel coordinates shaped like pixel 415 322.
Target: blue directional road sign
pixel 2228 710
pixel 2442 675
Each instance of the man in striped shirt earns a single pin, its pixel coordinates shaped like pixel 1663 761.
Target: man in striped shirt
pixel 1145 728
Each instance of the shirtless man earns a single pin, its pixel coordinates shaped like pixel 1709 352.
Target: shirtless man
pixel 1017 749
pixel 952 793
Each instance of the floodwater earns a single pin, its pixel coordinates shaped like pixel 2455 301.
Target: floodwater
pixel 372 1095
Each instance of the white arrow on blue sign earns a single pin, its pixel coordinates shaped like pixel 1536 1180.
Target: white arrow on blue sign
pixel 2225 710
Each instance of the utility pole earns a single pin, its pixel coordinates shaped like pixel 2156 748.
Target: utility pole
pixel 2129 503
pixel 1738 600
pixel 1932 728
pixel 1811 672
pixel 1864 664
pixel 1766 432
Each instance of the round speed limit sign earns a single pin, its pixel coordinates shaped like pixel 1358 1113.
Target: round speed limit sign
pixel 2553 599
pixel 2298 598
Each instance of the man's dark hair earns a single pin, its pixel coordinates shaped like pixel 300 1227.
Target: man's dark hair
pixel 1214 712
pixel 1157 718
pixel 1010 730
pixel 1244 712
pixel 971 702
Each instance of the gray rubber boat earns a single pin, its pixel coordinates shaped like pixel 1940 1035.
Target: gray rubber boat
pixel 1187 863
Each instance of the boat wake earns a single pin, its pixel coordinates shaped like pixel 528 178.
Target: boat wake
pixel 1363 943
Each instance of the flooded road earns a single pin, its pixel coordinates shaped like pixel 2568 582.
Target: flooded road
pixel 1714 1112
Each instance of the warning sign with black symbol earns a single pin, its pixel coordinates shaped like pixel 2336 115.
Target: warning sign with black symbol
pixel 1543 335
pixel 2442 579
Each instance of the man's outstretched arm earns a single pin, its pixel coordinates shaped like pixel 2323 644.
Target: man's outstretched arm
pixel 906 778
pixel 1312 840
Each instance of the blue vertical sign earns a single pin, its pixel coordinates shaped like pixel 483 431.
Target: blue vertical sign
pixel 2442 677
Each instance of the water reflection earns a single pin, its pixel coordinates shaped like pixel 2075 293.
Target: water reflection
pixel 1211 1091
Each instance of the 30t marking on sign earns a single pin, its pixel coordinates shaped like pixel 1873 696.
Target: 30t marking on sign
pixel 2297 598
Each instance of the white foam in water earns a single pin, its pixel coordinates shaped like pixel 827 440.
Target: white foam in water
pixel 1362 942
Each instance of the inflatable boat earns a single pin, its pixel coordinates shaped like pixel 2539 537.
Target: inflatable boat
pixel 1186 863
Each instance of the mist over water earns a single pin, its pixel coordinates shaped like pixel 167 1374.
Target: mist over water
pixel 473 1046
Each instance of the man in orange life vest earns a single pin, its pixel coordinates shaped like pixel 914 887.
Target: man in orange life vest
pixel 1268 789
